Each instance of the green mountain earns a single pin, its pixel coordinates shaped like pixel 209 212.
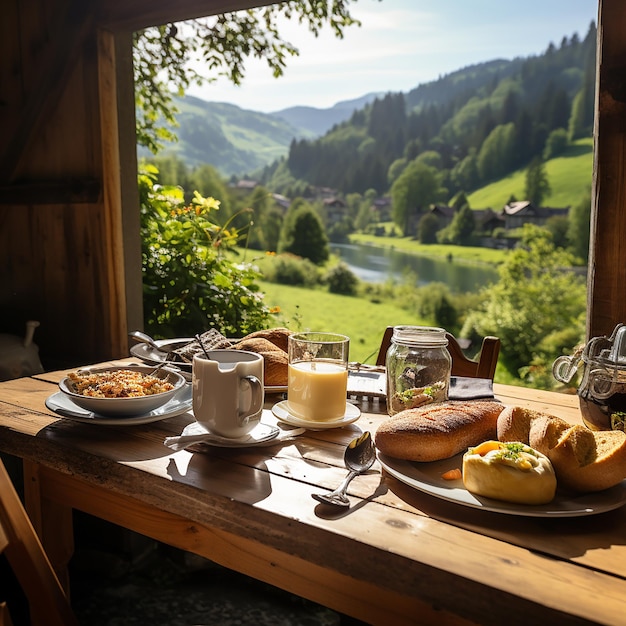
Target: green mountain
pixel 474 126
pixel 237 141
pixel 231 139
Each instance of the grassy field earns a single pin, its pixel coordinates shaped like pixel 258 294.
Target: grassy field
pixel 569 176
pixel 363 321
pixel 468 254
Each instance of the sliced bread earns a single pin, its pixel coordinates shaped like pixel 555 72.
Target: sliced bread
pixel 589 460
pixel 584 460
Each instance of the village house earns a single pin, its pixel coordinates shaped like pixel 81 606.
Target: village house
pixel 516 214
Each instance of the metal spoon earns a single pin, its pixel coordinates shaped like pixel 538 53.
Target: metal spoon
pixel 358 457
pixel 137 335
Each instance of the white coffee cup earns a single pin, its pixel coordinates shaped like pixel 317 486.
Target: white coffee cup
pixel 228 391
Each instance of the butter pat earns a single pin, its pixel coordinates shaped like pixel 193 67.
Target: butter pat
pixel 511 471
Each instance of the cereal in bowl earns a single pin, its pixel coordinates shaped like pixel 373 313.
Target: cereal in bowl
pixel 118 384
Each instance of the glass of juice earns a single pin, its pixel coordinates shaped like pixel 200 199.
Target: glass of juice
pixel 318 376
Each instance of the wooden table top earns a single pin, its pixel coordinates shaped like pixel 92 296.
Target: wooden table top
pixel 397 555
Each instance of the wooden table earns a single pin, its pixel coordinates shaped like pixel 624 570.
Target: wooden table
pixel 397 556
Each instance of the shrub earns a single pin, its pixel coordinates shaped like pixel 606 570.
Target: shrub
pixel 190 281
pixel 341 280
pixel 289 269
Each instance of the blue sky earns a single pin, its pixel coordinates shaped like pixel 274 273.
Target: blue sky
pixel 401 44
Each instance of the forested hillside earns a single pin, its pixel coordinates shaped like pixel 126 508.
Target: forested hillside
pixel 471 127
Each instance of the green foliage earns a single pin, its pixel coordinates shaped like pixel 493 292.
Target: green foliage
pixel 578 233
pixel 427 229
pixel 288 269
pixel 303 233
pixel 556 144
pixel 435 303
pixel 190 282
pixel 341 280
pixel 460 232
pixel 416 188
pixel 537 183
pixel 534 297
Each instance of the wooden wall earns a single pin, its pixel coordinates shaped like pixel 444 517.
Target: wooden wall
pixel 607 263
pixel 69 246
pixel 69 216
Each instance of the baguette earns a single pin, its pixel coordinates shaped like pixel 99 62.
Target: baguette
pixel 438 431
pixel 584 460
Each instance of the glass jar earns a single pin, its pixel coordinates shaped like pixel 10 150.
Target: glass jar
pixel 418 367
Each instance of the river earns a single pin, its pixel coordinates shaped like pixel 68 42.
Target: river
pixel 377 265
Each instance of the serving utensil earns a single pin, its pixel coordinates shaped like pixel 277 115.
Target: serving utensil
pixel 137 335
pixel 359 456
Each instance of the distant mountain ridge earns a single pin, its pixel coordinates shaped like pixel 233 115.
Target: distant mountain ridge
pixel 319 121
pixel 237 141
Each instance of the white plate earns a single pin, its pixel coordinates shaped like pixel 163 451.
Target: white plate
pixel 426 477
pixel 260 434
pixel 63 406
pixel 281 411
pixel 150 356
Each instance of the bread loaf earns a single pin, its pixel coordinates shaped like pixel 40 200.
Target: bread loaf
pixel 256 344
pixel 277 336
pixel 276 368
pixel 584 460
pixel 438 431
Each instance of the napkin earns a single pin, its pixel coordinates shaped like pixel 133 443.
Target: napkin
pixel 465 388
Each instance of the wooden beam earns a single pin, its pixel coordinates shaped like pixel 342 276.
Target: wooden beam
pixel 607 266
pixel 43 92
pixel 75 191
pixel 132 15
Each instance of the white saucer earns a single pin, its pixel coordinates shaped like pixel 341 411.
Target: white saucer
pixel 180 403
pixel 260 434
pixel 281 411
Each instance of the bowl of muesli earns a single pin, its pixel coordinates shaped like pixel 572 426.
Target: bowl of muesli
pixel 122 391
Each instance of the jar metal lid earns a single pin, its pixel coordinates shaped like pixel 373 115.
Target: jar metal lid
pixel 420 335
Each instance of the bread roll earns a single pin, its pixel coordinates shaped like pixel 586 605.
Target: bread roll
pixel 275 368
pixel 256 344
pixel 511 471
pixel 277 336
pixel 584 460
pixel 438 431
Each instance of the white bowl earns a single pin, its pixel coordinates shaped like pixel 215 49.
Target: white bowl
pixel 121 407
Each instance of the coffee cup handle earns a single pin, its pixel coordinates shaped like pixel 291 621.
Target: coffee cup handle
pixel 256 403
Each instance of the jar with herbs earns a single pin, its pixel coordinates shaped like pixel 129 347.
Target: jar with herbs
pixel 418 367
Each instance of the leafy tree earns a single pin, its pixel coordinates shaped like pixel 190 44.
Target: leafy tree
pixel 558 226
pixel 533 299
pixel 496 153
pixel 556 143
pixel 461 229
pixel 578 234
pixel 537 184
pixel 303 233
pixel 163 55
pixel 417 186
pixel 427 229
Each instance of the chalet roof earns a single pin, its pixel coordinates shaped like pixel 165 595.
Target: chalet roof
pixel 443 210
pixel 527 208
pixel 334 202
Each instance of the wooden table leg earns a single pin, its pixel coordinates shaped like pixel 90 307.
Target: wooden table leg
pixel 52 521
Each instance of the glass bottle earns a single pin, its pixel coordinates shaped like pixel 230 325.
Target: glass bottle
pixel 418 367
